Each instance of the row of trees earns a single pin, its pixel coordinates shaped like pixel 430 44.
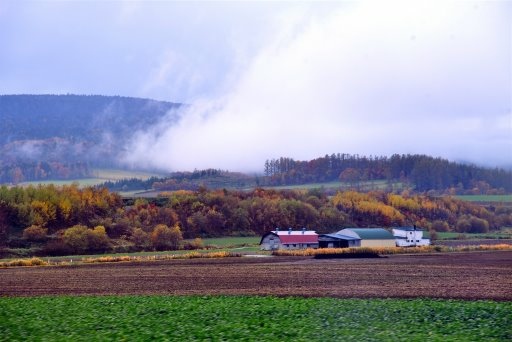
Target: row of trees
pixel 422 172
pixel 98 219
pixel 210 178
pixel 419 172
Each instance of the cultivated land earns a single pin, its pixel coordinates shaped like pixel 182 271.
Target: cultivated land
pixel 467 275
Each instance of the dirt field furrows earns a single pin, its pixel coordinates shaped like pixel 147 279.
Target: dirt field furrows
pixel 471 275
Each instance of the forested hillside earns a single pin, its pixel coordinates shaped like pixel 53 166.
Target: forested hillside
pixel 420 172
pixel 65 220
pixel 42 134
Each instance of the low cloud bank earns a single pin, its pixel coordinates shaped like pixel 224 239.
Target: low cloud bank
pixel 367 78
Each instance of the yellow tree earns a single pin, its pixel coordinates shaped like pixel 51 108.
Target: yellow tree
pixel 98 239
pixel 164 237
pixel 76 238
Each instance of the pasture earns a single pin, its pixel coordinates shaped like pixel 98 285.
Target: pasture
pixel 486 198
pixel 337 185
pixel 444 296
pixel 503 233
pixel 99 176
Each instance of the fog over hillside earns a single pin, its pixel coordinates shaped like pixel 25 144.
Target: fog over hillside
pixel 369 79
pixel 69 128
pixel 271 79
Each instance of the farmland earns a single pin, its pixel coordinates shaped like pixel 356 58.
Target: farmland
pixel 485 275
pixel 440 296
pixel 446 296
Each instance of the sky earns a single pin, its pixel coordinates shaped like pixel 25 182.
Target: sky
pixel 271 79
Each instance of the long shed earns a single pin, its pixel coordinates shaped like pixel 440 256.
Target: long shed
pixel 337 240
pixel 370 237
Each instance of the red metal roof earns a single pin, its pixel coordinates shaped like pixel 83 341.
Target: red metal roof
pixel 306 238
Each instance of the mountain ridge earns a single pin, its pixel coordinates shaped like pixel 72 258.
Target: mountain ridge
pixel 70 129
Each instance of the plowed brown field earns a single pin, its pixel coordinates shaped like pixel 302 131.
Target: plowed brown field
pixel 471 275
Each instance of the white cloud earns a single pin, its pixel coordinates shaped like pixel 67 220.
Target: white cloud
pixel 286 79
pixel 376 78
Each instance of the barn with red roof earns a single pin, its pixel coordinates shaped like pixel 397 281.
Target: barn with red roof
pixel 289 239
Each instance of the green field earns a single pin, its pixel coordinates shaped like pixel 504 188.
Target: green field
pixel 363 186
pixel 100 177
pixel 234 241
pixel 244 318
pixel 486 198
pixel 504 233
pixel 111 174
pixel 84 182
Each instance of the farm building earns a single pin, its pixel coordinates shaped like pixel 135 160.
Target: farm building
pixel 409 237
pixel 360 237
pixel 337 240
pixel 289 239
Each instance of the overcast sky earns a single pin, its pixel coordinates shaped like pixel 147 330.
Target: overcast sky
pixel 265 79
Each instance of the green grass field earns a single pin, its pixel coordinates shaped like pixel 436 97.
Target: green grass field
pixel 486 198
pixel 504 233
pixel 234 241
pixel 367 185
pixel 244 318
pixel 85 182
pixel 112 174
pixel 100 177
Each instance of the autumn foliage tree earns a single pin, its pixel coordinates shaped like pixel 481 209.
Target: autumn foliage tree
pixel 81 239
pixel 140 238
pixel 76 238
pixel 163 222
pixel 35 233
pixel 165 238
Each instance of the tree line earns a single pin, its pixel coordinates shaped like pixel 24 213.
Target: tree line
pixel 209 178
pixel 52 220
pixel 422 172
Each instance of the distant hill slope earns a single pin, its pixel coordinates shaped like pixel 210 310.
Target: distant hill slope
pixel 78 117
pixel 70 129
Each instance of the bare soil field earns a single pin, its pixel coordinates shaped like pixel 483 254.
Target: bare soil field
pixel 468 275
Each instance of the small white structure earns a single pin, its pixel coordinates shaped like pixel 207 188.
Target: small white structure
pixel 289 239
pixel 409 237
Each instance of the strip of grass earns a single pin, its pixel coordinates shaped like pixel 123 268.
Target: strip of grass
pixel 504 233
pixel 363 185
pixel 83 182
pixel 146 318
pixel 486 198
pixel 233 241
pixel 116 174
